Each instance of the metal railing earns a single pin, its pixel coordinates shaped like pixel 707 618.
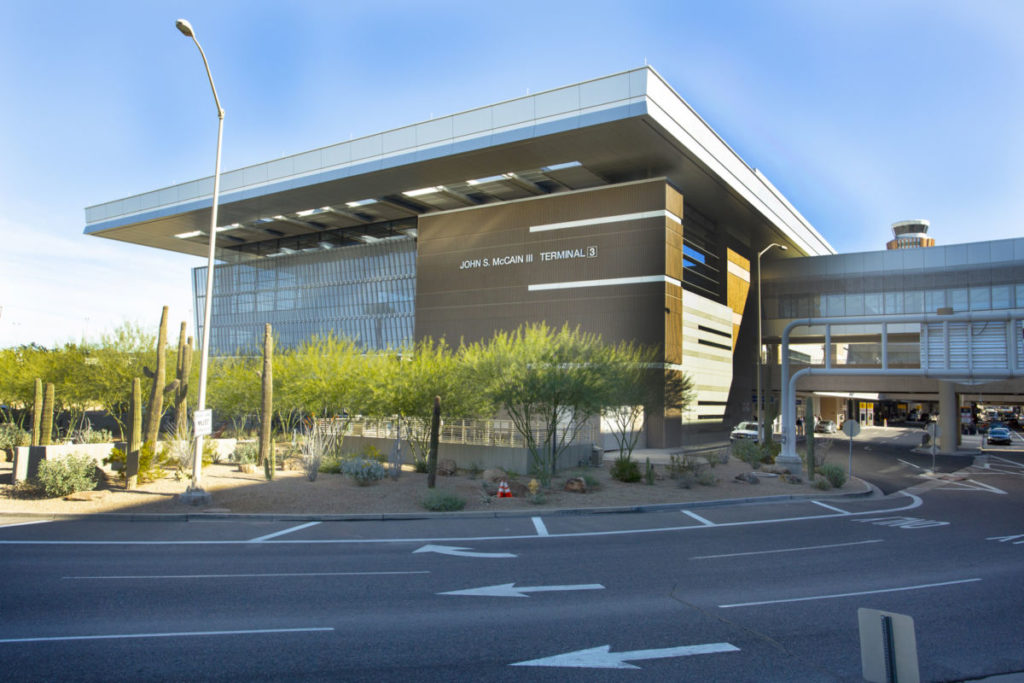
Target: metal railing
pixel 469 432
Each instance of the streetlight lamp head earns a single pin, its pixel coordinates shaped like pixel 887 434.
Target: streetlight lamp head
pixel 783 247
pixel 185 27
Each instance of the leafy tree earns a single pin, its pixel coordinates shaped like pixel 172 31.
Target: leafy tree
pixel 233 389
pixel 321 377
pixel 634 386
pixel 19 368
pixel 547 381
pixel 113 364
pixel 405 384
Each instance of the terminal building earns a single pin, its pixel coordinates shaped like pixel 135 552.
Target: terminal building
pixel 608 204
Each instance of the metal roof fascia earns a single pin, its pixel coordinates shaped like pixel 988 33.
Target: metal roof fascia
pixel 599 112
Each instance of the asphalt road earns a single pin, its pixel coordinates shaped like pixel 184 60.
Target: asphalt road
pixel 757 592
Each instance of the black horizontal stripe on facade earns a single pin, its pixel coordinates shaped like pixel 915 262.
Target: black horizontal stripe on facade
pixel 717 346
pixel 714 331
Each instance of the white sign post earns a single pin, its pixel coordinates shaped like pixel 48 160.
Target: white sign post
pixel 851 428
pixel 203 420
pixel 932 429
pixel 888 647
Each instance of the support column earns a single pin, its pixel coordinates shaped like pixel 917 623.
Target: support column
pixel 949 417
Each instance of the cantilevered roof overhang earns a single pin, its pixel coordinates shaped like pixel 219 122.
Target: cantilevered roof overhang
pixel 619 128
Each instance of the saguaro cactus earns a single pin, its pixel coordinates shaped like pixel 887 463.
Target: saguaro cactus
pixel 46 430
pixel 131 464
pixel 37 412
pixel 181 392
pixel 151 430
pixel 267 407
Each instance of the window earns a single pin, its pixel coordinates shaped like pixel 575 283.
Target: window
pixel 981 299
pixel 1001 296
pixel 893 303
pixel 958 299
pixel 913 301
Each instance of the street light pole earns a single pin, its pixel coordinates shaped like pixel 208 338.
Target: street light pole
pixel 760 425
pixel 196 488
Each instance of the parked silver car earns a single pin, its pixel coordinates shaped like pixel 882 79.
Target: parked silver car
pixel 825 427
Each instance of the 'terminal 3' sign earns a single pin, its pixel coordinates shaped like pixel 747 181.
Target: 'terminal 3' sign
pixel 541 256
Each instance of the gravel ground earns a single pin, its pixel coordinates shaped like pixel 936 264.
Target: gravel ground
pixel 333 494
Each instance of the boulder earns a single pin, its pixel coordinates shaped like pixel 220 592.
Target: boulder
pixel 576 485
pixel 495 474
pixel 748 477
pixel 518 490
pixel 447 467
pixel 293 464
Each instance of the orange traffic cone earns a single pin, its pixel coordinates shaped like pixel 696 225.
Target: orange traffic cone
pixel 503 490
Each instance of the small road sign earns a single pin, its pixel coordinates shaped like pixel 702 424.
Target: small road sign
pixel 203 422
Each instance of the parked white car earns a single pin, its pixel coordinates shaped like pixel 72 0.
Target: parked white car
pixel 825 427
pixel 746 431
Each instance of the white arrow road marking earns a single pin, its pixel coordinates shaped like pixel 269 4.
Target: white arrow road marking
pixel 1016 540
pixel 508 590
pixel 459 552
pixel 602 658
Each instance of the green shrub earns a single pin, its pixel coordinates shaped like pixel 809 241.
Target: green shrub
pixel 371 452
pixel 331 464
pixel 151 465
pixel 706 478
pixel 245 454
pixel 90 435
pixel 754 454
pixel 437 500
pixel 749 452
pixel 363 471
pixel 67 475
pixel 822 484
pixel 834 473
pixel 420 465
pixel 12 436
pixel 625 470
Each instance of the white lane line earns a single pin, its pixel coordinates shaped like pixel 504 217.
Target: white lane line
pixel 915 502
pixel 785 550
pixel 694 515
pixel 907 463
pixel 244 576
pixel 180 634
pixel 38 521
pixel 850 595
pixel 829 507
pixel 283 532
pixel 1008 462
pixel 538 524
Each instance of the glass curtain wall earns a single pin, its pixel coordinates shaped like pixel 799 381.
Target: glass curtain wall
pixel 366 293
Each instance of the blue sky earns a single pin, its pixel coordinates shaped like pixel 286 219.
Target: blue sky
pixel 861 113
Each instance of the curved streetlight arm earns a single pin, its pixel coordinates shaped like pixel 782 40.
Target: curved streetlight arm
pixel 760 427
pixel 186 29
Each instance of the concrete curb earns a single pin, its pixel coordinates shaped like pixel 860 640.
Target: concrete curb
pixel 869 491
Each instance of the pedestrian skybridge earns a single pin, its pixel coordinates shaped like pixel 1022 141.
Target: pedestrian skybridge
pixel 958 348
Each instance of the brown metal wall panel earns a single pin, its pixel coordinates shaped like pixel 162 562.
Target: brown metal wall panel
pixel 475 266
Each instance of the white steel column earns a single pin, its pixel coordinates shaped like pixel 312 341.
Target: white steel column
pixel 949 417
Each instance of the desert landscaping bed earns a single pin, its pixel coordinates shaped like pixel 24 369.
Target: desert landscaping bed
pixel 291 492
